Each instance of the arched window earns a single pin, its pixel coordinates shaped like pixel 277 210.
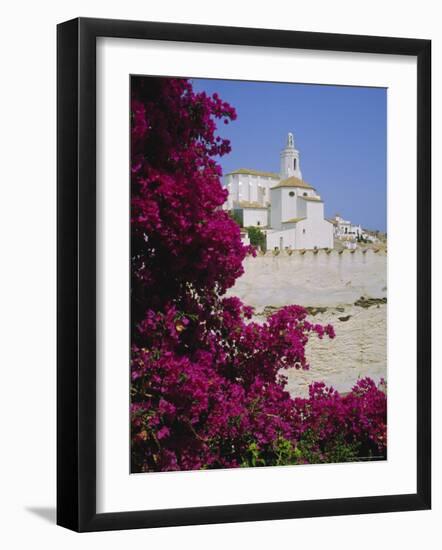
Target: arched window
pixel 294 164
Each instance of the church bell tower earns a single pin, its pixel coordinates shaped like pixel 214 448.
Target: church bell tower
pixel 290 160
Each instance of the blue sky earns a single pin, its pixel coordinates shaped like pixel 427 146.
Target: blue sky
pixel 340 132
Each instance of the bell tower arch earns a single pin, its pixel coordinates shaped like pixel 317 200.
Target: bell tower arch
pixel 290 159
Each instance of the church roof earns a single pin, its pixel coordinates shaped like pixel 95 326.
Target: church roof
pixel 250 172
pixel 250 204
pixel 294 220
pixel 312 199
pixel 293 182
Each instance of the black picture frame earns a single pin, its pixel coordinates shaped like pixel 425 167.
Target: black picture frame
pixel 76 274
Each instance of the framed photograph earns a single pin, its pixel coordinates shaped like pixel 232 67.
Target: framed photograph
pixel 243 274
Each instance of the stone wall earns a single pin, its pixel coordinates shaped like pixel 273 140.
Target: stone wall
pixel 312 279
pixel 330 286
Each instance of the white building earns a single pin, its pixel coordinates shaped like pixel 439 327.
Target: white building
pixel 250 189
pixel 346 230
pixel 287 208
pixel 349 232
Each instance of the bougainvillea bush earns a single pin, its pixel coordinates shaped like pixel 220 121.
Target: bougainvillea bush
pixel 208 384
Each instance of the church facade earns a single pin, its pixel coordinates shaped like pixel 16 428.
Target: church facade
pixel 288 210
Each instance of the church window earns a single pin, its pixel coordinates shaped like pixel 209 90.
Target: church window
pixel 292 193
pixel 303 231
pixel 305 194
pixel 258 223
pixel 294 164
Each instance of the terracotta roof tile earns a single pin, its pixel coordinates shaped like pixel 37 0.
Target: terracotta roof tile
pixel 250 172
pixel 312 199
pixel 293 182
pixel 294 220
pixel 248 204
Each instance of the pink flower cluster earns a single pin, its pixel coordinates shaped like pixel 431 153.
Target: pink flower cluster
pixel 181 238
pixel 358 420
pixel 208 389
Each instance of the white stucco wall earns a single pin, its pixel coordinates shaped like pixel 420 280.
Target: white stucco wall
pixel 253 188
pixel 301 208
pixel 311 233
pixel 286 207
pixel 231 183
pixel 255 217
pixel 248 187
pixel 289 204
pixel 312 279
pixel 314 230
pixel 243 188
pixel 282 239
pixel 259 187
pixel 276 209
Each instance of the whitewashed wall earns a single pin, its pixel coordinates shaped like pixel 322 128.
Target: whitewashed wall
pixel 314 231
pixel 311 279
pixel 282 239
pixel 275 210
pixel 255 217
pixel 289 204
pixel 247 187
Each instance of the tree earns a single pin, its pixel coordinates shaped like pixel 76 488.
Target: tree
pixel 206 383
pixel 237 217
pixel 257 237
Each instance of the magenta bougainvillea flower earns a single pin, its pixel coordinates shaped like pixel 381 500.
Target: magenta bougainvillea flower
pixel 208 384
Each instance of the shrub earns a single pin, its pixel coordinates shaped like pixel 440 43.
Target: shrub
pixel 257 237
pixel 237 217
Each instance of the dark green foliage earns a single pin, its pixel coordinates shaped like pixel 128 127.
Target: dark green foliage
pixel 236 215
pixel 257 237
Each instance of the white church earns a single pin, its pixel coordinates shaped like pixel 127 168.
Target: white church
pixel 284 206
